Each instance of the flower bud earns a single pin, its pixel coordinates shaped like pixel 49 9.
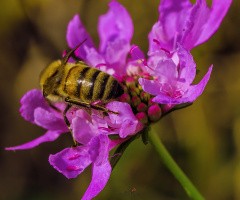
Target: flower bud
pixel 136 101
pixel 125 98
pixel 135 91
pixel 151 103
pixel 142 107
pixel 145 96
pixel 130 82
pixel 142 117
pixel 154 113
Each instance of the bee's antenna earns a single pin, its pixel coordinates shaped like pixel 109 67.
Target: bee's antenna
pixel 69 54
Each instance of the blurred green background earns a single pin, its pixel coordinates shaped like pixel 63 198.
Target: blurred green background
pixel 204 138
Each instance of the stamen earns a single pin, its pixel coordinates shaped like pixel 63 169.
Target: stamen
pixel 100 65
pixel 158 43
pixel 144 62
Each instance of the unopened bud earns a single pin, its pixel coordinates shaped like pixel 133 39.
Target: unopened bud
pixel 125 88
pixel 145 96
pixel 142 107
pixel 151 103
pixel 125 98
pixel 154 113
pixel 136 101
pixel 130 82
pixel 142 117
pixel 135 91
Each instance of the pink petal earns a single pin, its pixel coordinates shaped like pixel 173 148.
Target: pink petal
pixel 117 51
pixel 128 128
pixel 196 90
pixel 150 86
pixel 49 120
pixel 99 121
pixel 166 72
pixel 83 131
pixel 29 102
pixel 98 149
pixel 116 23
pixel 170 28
pixel 76 33
pixel 71 161
pixel 93 57
pixel 47 137
pixel 187 71
pixel 100 176
pixel 195 24
pixel 218 11
pixel 124 109
pixel 191 95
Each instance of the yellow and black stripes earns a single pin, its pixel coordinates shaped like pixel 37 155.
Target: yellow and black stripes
pixel 90 84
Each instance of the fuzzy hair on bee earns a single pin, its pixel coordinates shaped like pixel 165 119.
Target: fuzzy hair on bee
pixel 78 84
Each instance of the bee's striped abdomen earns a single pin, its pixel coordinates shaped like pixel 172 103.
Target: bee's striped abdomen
pixel 90 84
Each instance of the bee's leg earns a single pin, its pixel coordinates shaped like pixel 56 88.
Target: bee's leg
pixel 88 105
pixel 68 123
pixel 52 106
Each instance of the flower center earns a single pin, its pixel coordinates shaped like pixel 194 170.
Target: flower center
pixel 141 102
pixel 168 90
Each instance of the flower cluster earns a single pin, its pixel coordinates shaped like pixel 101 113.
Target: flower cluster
pixel 152 86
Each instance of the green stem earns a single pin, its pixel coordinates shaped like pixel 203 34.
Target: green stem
pixel 173 167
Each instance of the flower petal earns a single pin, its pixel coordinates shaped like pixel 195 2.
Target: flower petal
pixel 47 137
pixel 191 95
pixel 49 120
pixel 128 127
pixel 29 102
pixel 125 121
pixel 206 21
pixel 100 176
pixel 124 109
pixel 98 149
pixel 170 28
pixel 165 99
pixel 83 131
pixel 196 90
pixel 116 23
pixel 116 52
pixel 93 58
pixel 71 161
pixel 166 72
pixel 195 24
pixel 187 71
pixel 76 33
pixel 150 86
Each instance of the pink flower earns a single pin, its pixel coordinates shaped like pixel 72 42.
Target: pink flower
pixel 165 78
pixel 187 24
pixel 115 29
pixel 174 79
pixel 35 109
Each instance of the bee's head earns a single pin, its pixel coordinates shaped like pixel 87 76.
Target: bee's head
pixel 50 78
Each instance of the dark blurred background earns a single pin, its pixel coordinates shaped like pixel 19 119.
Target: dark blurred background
pixel 204 138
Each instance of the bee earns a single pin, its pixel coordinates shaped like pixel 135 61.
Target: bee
pixel 78 84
